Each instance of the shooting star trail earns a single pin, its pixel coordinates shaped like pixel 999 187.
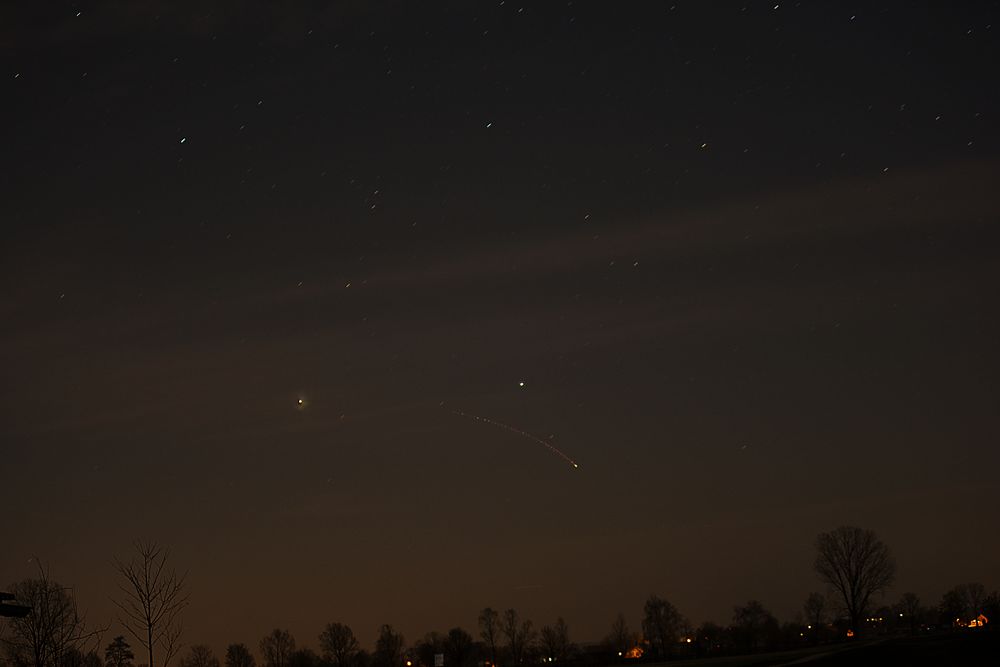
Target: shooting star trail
pixel 524 434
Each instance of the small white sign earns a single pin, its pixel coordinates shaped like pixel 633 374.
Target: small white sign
pixel 439 660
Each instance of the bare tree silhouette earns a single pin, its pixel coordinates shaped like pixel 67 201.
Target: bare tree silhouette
pixel 519 635
pixel 458 648
pixel 754 626
pixel 974 594
pixel 814 611
pixel 857 565
pixel 620 638
pixel 304 657
pixel 489 631
pixel 118 653
pixel 152 599
pixel 199 655
pixel 388 647
pixel 662 624
pixel 909 607
pixel 555 641
pixel 53 629
pixel 963 603
pixel 338 643
pixel 238 655
pixel 277 648
pixel 428 647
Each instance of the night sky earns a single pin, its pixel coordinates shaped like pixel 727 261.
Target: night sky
pixel 739 261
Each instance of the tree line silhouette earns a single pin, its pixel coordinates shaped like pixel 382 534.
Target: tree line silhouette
pixel 855 566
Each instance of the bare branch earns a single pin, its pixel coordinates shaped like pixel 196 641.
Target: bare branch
pixel 856 565
pixel 153 597
pixel 53 628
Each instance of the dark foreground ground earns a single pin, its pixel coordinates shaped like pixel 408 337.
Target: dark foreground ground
pixel 963 648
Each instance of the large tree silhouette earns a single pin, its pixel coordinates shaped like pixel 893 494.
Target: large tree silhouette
pixel 338 643
pixel 199 655
pixel 909 608
pixel 238 655
pixel 388 647
pixel 620 639
pixel 963 603
pixel 855 564
pixel 489 631
pixel 304 657
pixel 428 647
pixel 662 624
pixel 152 599
pixel 555 641
pixel 814 610
pixel 277 648
pixel 754 626
pixel 519 635
pixel 118 653
pixel 53 629
pixel 458 648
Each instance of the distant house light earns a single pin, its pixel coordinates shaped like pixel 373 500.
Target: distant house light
pixel 979 621
pixel 634 653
